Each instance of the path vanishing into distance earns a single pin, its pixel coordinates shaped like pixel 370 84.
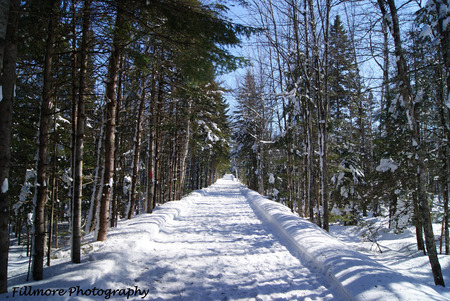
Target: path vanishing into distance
pixel 220 250
pixel 224 242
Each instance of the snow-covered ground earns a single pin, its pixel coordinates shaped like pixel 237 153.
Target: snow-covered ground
pixel 212 246
pixel 396 251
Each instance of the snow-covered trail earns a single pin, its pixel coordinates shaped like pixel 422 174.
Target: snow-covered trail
pixel 220 250
pixel 209 246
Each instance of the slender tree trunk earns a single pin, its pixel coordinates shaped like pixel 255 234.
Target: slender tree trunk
pixel 75 90
pixel 56 216
pixel 54 197
pixel 445 177
pixel 79 140
pixel 151 147
pixel 115 196
pixel 323 125
pixel 42 164
pixel 185 150
pixel 157 118
pixel 444 44
pixel 111 103
pixel 8 57
pixel 4 16
pixel 98 184
pixel 137 151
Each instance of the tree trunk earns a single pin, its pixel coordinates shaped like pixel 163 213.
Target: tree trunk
pixel 79 137
pixel 42 163
pixel 444 149
pixel 137 151
pixel 8 44
pixel 91 222
pixel 4 16
pixel 151 146
pixel 157 118
pixel 115 196
pixel 75 90
pixel 323 125
pixel 185 151
pixel 418 224
pixel 54 196
pixel 111 103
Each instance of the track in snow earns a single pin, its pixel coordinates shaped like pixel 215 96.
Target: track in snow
pixel 220 250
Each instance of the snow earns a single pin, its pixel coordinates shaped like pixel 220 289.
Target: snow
pixel 386 165
pixel 430 5
pixel 29 219
pixel 426 31
pixel 215 127
pixel 63 120
pixel 271 178
pixel 447 103
pixel 224 242
pixel 443 9
pixel 5 186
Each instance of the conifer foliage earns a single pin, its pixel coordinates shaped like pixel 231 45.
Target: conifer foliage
pixel 129 113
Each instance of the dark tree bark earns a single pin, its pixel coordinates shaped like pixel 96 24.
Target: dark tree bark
pixel 137 151
pixel 115 196
pixel 444 149
pixel 323 125
pixel 8 47
pixel 184 151
pixel 43 140
pixel 79 139
pixel 111 104
pixel 151 146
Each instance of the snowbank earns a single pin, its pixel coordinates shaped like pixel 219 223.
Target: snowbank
pixel 355 275
pixel 106 266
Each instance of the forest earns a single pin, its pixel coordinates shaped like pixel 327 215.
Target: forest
pixel 110 108
pixel 344 113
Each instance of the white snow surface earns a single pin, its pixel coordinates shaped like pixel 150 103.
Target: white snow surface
pixel 224 242
pixel 387 165
pixel 5 185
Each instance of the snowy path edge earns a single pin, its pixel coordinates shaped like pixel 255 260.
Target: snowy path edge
pixel 354 275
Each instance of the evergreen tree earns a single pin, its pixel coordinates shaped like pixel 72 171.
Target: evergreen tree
pixel 8 48
pixel 347 174
pixel 249 131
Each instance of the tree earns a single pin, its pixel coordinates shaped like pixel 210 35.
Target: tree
pixel 8 55
pixel 433 19
pixel 110 122
pixel 43 142
pixel 79 138
pixel 137 148
pixel 417 144
pixel 347 172
pixel 250 128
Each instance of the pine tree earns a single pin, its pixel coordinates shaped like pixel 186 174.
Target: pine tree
pixel 8 49
pixel 79 137
pixel 250 127
pixel 110 122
